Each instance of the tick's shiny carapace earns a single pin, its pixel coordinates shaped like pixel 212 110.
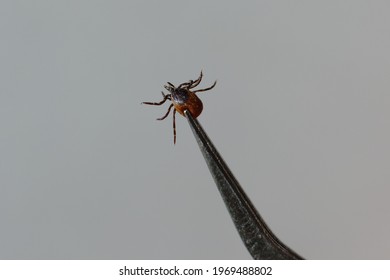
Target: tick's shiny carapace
pixel 183 98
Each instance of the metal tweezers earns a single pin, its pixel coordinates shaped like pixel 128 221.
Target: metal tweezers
pixel 260 241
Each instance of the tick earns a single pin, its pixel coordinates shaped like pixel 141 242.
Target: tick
pixel 183 98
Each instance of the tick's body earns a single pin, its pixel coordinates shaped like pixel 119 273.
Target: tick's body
pixel 182 99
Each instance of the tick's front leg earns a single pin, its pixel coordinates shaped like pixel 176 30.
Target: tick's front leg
pixel 166 97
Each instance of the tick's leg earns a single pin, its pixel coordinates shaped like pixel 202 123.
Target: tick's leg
pixel 166 97
pixel 206 89
pixel 187 84
pixel 166 115
pixel 197 81
pixel 174 127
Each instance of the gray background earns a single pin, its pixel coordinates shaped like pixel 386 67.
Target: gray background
pixel 300 113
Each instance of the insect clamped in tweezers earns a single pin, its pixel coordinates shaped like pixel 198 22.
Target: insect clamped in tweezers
pixel 183 98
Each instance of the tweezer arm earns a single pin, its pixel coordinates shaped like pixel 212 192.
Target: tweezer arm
pixel 261 243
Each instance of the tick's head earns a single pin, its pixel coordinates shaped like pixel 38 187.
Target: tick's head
pixel 170 87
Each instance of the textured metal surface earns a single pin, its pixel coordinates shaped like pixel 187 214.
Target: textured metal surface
pixel 261 243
